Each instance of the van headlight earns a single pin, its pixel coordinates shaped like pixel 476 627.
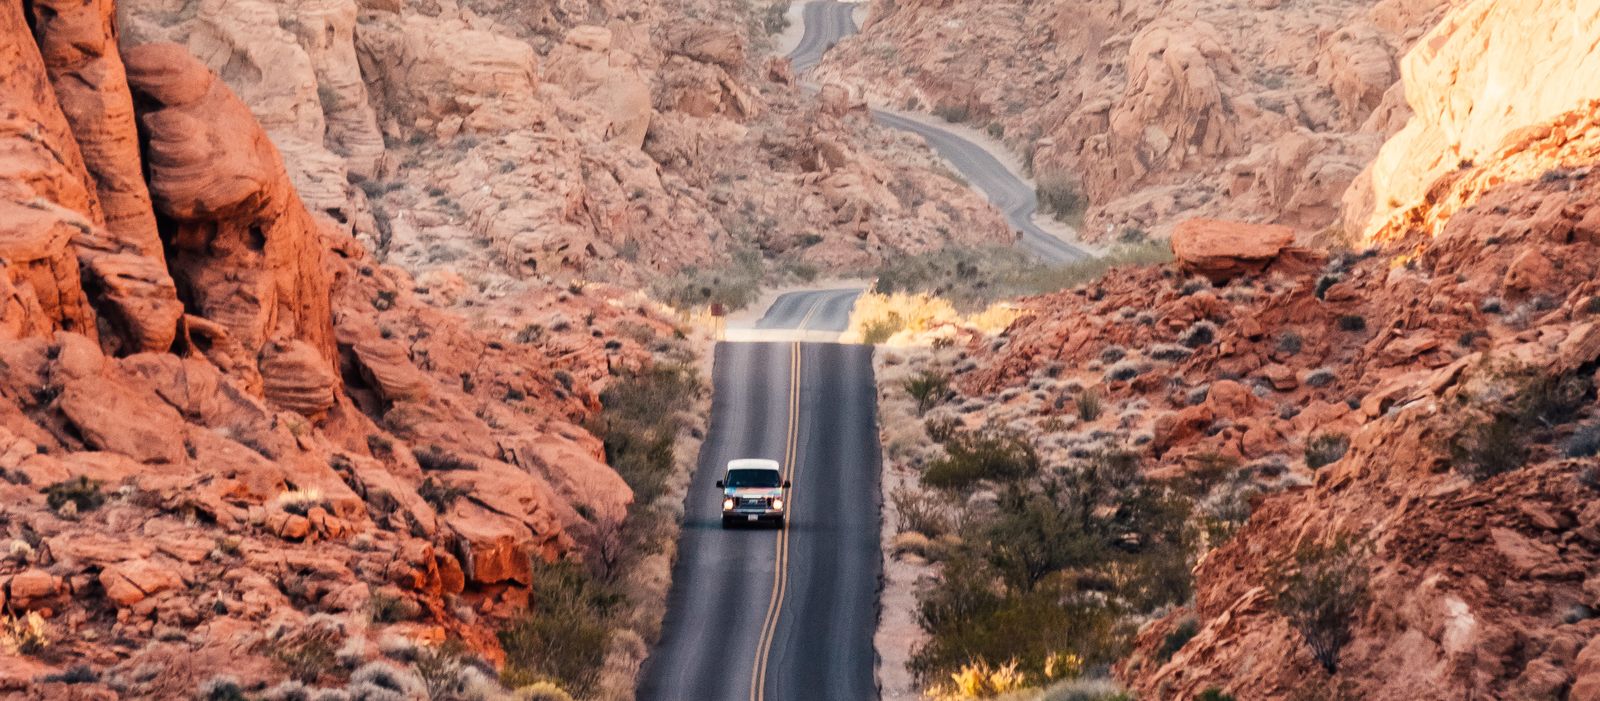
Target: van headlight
pixel 727 504
pixel 777 504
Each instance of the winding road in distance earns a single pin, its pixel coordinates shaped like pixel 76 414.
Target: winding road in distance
pixel 781 615
pixel 828 21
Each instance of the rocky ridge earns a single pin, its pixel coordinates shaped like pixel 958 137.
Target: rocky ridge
pixel 1428 402
pixel 1155 112
pixel 485 144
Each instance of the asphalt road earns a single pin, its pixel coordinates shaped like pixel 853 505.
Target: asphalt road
pixel 828 21
pixel 763 614
pixel 811 310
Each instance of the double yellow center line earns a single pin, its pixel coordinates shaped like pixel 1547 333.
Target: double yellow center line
pixel 780 572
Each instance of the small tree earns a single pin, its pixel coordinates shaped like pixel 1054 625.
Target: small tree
pixel 1321 592
pixel 928 388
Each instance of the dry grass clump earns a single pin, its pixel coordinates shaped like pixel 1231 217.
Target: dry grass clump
pixel 905 318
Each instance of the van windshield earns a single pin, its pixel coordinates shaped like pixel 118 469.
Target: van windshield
pixel 752 478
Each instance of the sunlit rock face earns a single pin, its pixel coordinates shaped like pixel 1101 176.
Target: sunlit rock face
pixel 1161 111
pixel 1489 70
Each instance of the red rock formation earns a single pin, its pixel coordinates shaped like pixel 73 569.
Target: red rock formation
pixel 1478 587
pixel 252 415
pixel 244 251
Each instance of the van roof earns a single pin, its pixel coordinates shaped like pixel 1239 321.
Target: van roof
pixel 753 464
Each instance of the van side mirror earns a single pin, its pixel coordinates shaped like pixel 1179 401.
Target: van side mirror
pixel 719 484
pixel 786 484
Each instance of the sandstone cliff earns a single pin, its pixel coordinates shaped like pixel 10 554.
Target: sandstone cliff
pixel 221 417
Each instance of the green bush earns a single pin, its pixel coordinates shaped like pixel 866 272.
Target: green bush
pixel 639 421
pixel 563 633
pixel 1213 694
pixel 876 331
pixel 989 454
pixel 1061 196
pixel 1321 592
pixel 973 278
pixel 1176 638
pixel 921 512
pixel 775 18
pixel 928 388
pixel 1326 449
pixel 1089 405
pixel 441 495
pixel 83 493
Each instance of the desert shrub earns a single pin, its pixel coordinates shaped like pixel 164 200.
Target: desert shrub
pixel 1213 694
pixel 1123 371
pixel 26 634
pixel 921 512
pixel 941 428
pixel 83 493
pixel 1169 353
pixel 879 330
pixel 1583 443
pixel 76 674
pixel 384 607
pixel 1113 353
pixel 1098 689
pixel 968 622
pixel 308 653
pixel 928 388
pixel 1321 591
pixel 1486 447
pixel 1352 322
pixel 1176 638
pixel 221 688
pixel 1061 195
pixel 1321 377
pixel 980 680
pixel 1194 285
pixel 775 17
pixel 954 114
pixel 542 691
pixel 1325 449
pixel 1202 333
pixel 989 454
pixel 379 676
pixel 561 637
pixel 639 421
pixel 1592 305
pixel 441 495
pixel 734 286
pixel 1325 282
pixel 440 668
pixel 1544 400
pixel 436 459
pixel 1290 343
pixel 1089 405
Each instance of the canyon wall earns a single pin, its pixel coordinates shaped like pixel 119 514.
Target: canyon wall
pixel 223 420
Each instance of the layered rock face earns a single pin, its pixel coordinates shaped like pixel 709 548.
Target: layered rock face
pixel 507 144
pixel 220 415
pixel 1157 111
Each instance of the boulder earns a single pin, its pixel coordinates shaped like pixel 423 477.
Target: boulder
pixel 1223 250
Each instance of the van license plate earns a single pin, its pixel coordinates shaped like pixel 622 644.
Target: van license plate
pixel 751 517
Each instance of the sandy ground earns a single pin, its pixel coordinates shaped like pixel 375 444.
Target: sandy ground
pixel 898 632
